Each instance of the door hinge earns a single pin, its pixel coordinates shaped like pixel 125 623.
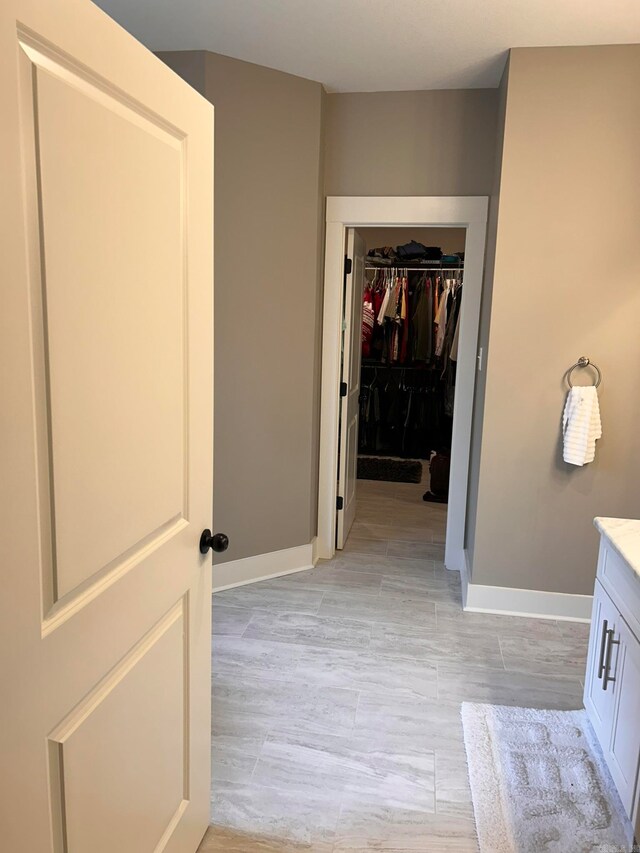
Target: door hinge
pixel 339 502
pixel 347 265
pixel 343 389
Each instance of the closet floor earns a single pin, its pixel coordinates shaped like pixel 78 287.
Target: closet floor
pixel 337 691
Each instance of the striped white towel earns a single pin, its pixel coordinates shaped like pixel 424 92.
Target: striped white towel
pixel 581 424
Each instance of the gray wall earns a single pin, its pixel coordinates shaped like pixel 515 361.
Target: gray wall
pixel 268 233
pixel 450 240
pixel 411 143
pixel 566 283
pixel 189 64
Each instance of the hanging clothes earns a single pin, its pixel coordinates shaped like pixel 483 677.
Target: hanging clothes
pixel 422 320
pixel 410 327
pixel 441 317
pixel 368 320
pixel 383 307
pixel 413 320
pixel 453 355
pixel 404 319
pixel 453 312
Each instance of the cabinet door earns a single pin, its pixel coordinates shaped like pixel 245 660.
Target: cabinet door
pixel 600 691
pixel 624 751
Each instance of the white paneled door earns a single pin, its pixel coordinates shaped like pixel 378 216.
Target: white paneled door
pixel 350 387
pixel 106 162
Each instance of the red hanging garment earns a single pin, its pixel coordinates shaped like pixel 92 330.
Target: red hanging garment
pixel 368 319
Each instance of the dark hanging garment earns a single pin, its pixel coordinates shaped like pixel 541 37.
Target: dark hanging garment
pixel 409 415
pixel 422 322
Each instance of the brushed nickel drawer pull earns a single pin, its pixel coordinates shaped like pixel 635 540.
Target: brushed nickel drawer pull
pixel 609 678
pixel 603 644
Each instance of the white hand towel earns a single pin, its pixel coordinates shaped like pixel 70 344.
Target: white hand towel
pixel 581 424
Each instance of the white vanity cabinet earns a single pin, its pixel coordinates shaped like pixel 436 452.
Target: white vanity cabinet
pixel 612 683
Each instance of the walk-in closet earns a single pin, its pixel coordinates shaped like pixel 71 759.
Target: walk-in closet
pixel 408 321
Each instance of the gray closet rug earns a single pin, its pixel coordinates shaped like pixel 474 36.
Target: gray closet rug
pixel 390 470
pixel 539 783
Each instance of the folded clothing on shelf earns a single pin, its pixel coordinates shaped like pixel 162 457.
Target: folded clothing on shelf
pixel 385 253
pixel 414 251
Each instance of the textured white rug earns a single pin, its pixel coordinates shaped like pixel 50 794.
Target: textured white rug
pixel 539 784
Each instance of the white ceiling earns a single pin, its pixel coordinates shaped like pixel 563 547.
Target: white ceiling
pixel 377 45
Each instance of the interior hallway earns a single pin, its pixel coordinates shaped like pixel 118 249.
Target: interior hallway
pixel 337 691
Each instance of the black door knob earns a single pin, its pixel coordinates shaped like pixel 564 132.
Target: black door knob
pixel 218 541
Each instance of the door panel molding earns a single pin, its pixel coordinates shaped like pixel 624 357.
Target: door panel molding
pixel 44 54
pixel 75 601
pixel 172 630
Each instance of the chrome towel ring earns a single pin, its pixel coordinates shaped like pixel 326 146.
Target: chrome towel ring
pixel 583 361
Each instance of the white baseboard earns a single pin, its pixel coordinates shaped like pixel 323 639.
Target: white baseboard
pixel 534 603
pixel 262 567
pixel 315 555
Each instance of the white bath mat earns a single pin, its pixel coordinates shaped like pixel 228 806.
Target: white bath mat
pixel 538 783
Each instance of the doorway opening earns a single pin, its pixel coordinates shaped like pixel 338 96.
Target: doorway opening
pixel 461 226
pixel 402 302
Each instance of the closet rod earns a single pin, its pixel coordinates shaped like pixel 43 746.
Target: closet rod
pixel 385 364
pixel 410 267
pixel 418 269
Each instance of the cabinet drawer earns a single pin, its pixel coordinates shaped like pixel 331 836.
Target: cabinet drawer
pixel 622 585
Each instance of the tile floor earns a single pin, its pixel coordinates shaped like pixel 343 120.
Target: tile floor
pixel 337 692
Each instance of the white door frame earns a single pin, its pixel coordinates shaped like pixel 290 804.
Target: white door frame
pixel 342 212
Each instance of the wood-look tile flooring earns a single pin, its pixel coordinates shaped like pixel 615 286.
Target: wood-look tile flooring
pixel 337 691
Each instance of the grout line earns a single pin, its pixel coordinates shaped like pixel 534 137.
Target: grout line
pixel 435 781
pixel 501 652
pixel 256 761
pixel 355 716
pixel 264 740
pixel 253 613
pixel 337 826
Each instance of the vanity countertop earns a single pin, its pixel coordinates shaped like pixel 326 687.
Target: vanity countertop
pixel 624 536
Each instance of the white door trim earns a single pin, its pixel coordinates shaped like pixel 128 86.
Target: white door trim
pixel 344 212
